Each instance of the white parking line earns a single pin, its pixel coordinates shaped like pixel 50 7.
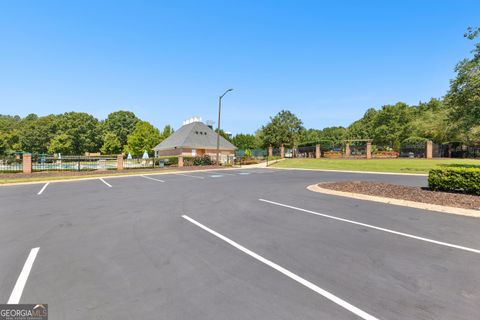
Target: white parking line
pixel 108 184
pixel 146 177
pixel 43 188
pixel 222 173
pixel 446 244
pixel 344 304
pixel 188 175
pixel 22 278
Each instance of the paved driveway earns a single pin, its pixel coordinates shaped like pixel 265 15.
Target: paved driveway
pixel 238 244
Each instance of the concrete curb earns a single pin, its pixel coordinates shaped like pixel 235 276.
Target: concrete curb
pixel 398 202
pixel 351 171
pixel 73 179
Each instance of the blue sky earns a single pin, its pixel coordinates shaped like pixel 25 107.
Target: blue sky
pixel 326 61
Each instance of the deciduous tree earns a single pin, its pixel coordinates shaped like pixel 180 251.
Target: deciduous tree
pixel 167 131
pixel 111 144
pixel 83 129
pixel 245 141
pixel 464 94
pixel 143 138
pixel 283 128
pixel 122 123
pixel 36 132
pixel 61 143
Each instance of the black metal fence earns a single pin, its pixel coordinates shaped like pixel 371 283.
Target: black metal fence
pixel 358 149
pixel 439 150
pixel 43 162
pixel 457 150
pixel 276 152
pixel 412 150
pixel 472 152
pixel 306 151
pixel 11 163
pixel 139 163
pixel 254 153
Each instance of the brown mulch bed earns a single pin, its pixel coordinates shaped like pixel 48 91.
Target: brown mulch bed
pixel 417 194
pixel 56 174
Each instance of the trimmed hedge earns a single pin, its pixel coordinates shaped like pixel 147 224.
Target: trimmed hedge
pixel 168 161
pixel 457 179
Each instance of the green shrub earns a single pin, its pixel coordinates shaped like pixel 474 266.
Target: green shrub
pixel 459 165
pixel 188 161
pixel 204 160
pixel 168 161
pixel 458 179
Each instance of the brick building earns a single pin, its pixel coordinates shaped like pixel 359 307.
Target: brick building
pixel 195 139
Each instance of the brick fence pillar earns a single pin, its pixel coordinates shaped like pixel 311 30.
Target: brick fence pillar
pixel 180 161
pixel 369 150
pixel 318 152
pixel 27 163
pixel 270 151
pixel 282 151
pixel 429 149
pixel 347 150
pixel 120 162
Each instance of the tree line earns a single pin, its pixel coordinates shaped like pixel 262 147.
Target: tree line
pixel 452 118
pixel 74 133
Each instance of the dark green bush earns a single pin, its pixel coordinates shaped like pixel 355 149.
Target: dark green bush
pixel 204 160
pixel 188 161
pixel 459 165
pixel 457 179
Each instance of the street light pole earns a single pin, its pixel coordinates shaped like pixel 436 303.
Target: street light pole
pixel 218 129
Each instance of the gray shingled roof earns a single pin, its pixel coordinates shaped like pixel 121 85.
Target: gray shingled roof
pixel 194 135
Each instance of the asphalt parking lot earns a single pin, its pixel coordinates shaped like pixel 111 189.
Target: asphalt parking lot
pixel 237 244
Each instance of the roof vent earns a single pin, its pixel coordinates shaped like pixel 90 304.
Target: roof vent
pixel 192 119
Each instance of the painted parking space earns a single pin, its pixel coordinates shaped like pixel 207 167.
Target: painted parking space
pixel 152 178
pixel 134 243
pixel 328 295
pixel 352 261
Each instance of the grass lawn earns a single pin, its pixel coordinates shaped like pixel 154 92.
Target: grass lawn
pixel 378 165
